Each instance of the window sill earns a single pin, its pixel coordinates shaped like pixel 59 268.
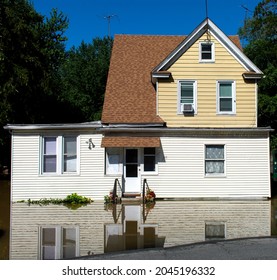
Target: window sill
pixel 145 173
pixel 216 175
pixel 59 175
pixel 226 114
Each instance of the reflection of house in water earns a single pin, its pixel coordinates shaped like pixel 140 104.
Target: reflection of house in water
pixel 132 233
pixel 54 231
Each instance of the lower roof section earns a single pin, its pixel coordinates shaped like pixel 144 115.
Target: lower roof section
pixel 130 141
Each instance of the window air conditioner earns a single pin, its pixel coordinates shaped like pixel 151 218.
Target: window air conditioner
pixel 187 108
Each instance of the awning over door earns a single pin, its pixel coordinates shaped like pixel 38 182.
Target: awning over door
pixel 135 142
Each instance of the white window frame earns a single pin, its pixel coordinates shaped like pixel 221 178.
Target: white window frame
pixel 113 154
pixel 59 155
pixel 233 83
pixel 155 172
pixel 179 104
pixel 59 240
pixel 212 52
pixel 224 160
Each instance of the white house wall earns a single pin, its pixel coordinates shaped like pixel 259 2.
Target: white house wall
pixel 27 182
pixel 181 169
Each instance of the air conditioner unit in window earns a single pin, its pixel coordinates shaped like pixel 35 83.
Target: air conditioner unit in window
pixel 187 108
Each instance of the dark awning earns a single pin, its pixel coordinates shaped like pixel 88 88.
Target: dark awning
pixel 136 142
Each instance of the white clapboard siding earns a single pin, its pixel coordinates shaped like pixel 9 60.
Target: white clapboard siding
pixel 181 168
pixel 177 222
pixel 27 182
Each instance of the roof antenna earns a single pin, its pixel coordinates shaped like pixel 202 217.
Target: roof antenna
pixel 206 8
pixel 108 18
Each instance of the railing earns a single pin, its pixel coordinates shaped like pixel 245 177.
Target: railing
pixel 144 187
pixel 116 183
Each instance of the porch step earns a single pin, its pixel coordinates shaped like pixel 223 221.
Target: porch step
pixel 131 198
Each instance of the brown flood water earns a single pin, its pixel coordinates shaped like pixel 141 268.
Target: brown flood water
pixel 4 219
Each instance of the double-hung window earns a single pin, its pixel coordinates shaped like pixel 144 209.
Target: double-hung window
pixel 59 155
pixel 49 154
pixel 187 97
pixel 206 52
pixel 214 160
pixel 149 160
pixel 58 242
pixel 226 94
pixel 69 154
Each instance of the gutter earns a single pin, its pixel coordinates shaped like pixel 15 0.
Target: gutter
pixel 85 125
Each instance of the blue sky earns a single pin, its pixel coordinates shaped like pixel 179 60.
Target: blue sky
pixel 88 18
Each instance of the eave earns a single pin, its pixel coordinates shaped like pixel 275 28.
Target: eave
pixel 65 126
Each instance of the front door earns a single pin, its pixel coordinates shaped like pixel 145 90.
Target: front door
pixel 132 171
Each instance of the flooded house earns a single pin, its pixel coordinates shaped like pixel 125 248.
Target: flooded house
pixel 180 114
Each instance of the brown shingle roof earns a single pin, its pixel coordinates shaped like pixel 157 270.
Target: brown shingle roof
pixel 122 141
pixel 130 95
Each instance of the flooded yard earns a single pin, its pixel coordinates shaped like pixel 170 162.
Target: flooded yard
pixel 57 232
pixel 4 219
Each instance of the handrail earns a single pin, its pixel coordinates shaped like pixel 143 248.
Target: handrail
pixel 116 183
pixel 145 186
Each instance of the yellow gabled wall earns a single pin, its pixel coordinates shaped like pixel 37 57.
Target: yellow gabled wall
pixel 225 67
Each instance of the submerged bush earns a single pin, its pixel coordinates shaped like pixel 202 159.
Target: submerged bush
pixel 72 201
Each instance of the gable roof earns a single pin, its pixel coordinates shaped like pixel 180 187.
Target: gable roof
pixel 130 96
pixel 231 43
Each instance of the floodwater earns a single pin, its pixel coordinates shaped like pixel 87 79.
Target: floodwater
pixel 4 219
pixel 57 232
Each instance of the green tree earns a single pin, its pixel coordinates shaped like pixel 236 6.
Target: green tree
pixel 32 48
pixel 84 76
pixel 260 32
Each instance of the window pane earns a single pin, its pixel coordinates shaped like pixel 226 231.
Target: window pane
pixel 50 145
pixel 69 243
pixel 131 170
pixel 70 163
pixel 214 166
pixel 131 156
pixel 49 154
pixel 70 154
pixel 206 51
pixel 48 243
pixel 225 90
pixel 214 152
pixel 70 145
pixel 49 163
pixel 225 105
pixel 206 55
pixel 187 92
pixel 48 236
pixel 149 159
pixel 206 47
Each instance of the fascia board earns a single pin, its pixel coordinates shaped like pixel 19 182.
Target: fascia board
pixel 232 48
pixel 182 47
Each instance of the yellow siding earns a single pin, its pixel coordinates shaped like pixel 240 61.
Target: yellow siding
pixel 206 75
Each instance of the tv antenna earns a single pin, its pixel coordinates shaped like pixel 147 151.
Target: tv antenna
pixel 246 12
pixel 108 18
pixel 206 3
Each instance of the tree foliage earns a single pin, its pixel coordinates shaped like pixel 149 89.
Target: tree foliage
pixel 84 76
pixel 32 48
pixel 260 31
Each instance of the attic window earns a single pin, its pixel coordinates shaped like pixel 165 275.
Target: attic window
pixel 206 52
